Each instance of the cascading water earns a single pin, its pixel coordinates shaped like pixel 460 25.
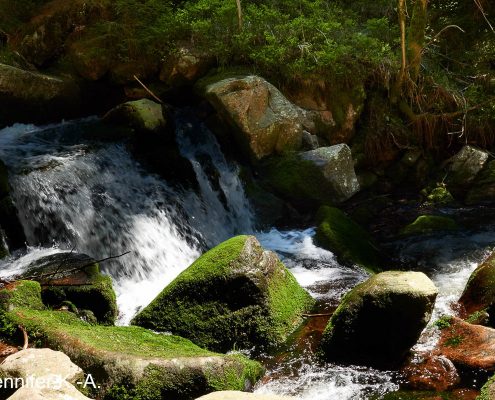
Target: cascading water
pixel 93 197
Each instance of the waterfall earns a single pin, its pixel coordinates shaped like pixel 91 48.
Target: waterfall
pixel 94 198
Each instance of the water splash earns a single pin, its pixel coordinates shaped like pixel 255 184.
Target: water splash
pixel 95 198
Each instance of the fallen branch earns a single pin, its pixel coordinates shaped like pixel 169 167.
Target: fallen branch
pixel 26 338
pixel 33 277
pixel 148 90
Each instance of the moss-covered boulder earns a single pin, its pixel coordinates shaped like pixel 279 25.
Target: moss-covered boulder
pixel 185 66
pixel 236 295
pixel 74 278
pixel 142 115
pixel 124 361
pixel 379 320
pixel 488 390
pixel 348 240
pixel 426 224
pixel 263 121
pixel 27 96
pixel 479 293
pixel 322 176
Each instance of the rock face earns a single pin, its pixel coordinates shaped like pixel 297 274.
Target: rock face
pixel 62 391
pixel 185 67
pixel 74 278
pixel 40 363
pixel 27 96
pixel 468 346
pixel 379 320
pixel 128 361
pixel 488 390
pixel 142 115
pixel 349 241
pixel 263 120
pixel 322 176
pixel 479 294
pixel 236 295
pixel 230 395
pixel 430 372
pixel 483 187
pixel 465 166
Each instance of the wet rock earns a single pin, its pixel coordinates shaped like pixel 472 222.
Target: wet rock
pixel 349 241
pixel 465 166
pixel 230 395
pixel 27 96
pixel 426 224
pixel 264 122
pixel 235 295
pixel 186 66
pixel 488 390
pixel 309 141
pixel 471 347
pixel 75 278
pixel 427 371
pixel 322 176
pixel 142 115
pixel 39 363
pixel 479 293
pixel 379 320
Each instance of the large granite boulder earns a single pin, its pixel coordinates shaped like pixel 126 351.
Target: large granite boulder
pixel 348 240
pixel 126 362
pixel 322 176
pixel 379 320
pixel 263 121
pixel 465 166
pixel 236 295
pixel 60 391
pixel 27 96
pixel 76 279
pixel 479 293
pixel 185 66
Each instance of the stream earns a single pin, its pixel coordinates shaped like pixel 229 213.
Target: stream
pixel 75 193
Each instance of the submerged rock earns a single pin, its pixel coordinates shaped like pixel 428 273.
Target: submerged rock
pixel 75 278
pixel 479 293
pixel 236 295
pixel 349 241
pixel 264 122
pixel 127 361
pixel 27 96
pixel 430 372
pixel 322 176
pixel 379 320
pixel 468 346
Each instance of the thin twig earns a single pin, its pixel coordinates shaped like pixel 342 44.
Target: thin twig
pixel 26 338
pixel 148 90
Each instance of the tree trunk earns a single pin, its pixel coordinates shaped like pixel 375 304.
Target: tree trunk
pixel 397 88
pixel 239 14
pixel 417 37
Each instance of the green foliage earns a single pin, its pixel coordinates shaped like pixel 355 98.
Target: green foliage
pixel 425 224
pixel 443 322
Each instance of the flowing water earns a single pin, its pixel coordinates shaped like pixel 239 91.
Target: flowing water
pixel 73 193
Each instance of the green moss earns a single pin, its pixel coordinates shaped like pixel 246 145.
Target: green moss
pixel 21 294
pixel 443 322
pixel 425 224
pixel 117 351
pixel 487 390
pixel 454 341
pixel 439 196
pixel 301 181
pixel 349 241
pixel 234 296
pixel 478 318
